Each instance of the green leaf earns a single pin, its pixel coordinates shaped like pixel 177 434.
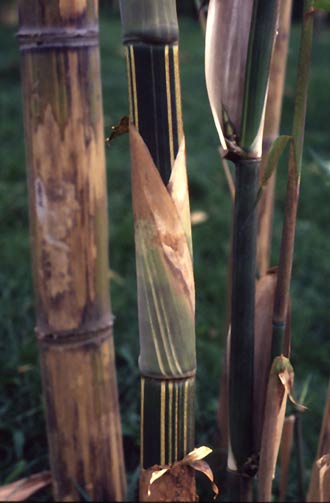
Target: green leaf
pixel 322 4
pixel 273 157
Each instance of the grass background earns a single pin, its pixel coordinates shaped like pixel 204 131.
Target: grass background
pixel 23 447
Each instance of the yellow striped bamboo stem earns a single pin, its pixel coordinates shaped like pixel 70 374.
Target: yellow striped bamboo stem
pixel 165 281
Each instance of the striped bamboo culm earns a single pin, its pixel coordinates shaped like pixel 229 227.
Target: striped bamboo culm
pixel 154 87
pixel 167 399
pixel 170 438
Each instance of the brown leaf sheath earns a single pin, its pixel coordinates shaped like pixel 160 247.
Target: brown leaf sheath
pixel 276 400
pixel 160 237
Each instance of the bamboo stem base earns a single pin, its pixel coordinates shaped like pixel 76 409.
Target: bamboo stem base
pixel 84 432
pixel 239 487
pixel 167 420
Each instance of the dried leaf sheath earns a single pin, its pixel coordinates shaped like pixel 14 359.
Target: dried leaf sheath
pixel 280 379
pixel 164 270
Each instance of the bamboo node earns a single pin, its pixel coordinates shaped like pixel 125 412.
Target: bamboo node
pixel 52 38
pixel 250 467
pixel 76 337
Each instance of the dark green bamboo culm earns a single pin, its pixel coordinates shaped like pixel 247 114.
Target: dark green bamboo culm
pixel 162 237
pixel 237 80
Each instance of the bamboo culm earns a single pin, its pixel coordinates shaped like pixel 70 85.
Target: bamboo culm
pixel 69 231
pixel 162 239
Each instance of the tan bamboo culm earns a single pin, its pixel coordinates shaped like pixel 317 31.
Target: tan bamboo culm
pixel 68 225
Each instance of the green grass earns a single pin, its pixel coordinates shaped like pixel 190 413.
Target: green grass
pixel 23 447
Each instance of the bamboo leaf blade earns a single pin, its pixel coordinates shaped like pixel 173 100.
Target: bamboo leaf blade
pixel 272 160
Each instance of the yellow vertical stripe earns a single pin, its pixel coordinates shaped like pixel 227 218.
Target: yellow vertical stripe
pixel 142 421
pixel 177 92
pixel 169 106
pixel 136 115
pixel 130 102
pixel 162 422
pixel 185 416
pixel 170 422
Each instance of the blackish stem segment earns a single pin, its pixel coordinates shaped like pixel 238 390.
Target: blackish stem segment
pixel 239 487
pixel 170 438
pixel 300 457
pixel 155 100
pixel 243 303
